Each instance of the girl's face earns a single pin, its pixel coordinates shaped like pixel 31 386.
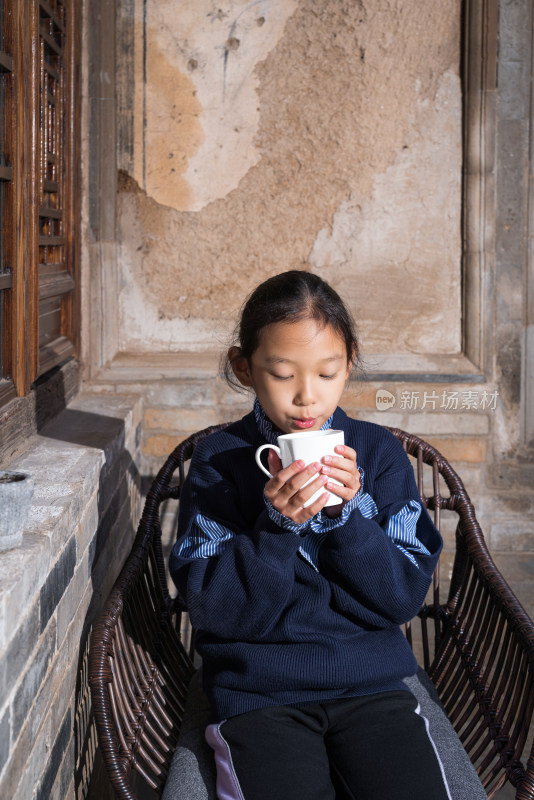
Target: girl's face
pixel 298 373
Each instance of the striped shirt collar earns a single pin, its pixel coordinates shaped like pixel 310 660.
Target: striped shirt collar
pixel 266 428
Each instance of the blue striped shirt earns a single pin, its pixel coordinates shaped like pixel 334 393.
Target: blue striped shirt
pixel 208 538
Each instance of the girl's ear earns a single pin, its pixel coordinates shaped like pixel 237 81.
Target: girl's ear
pixel 240 366
pixel 353 359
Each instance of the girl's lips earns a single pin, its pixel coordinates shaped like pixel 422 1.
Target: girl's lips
pixel 305 423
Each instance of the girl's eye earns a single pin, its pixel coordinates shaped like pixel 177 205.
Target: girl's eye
pixel 328 377
pixel 281 377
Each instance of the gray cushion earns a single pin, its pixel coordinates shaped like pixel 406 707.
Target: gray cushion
pixel 462 778
pixel 192 772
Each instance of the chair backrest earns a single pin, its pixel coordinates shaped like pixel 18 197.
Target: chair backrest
pixel 482 658
pixel 478 648
pixel 139 670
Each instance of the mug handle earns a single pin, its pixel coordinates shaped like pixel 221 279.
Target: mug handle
pixel 259 451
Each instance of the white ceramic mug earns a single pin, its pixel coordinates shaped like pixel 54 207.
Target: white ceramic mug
pixel 310 447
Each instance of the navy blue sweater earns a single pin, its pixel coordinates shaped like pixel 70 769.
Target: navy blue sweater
pixel 272 630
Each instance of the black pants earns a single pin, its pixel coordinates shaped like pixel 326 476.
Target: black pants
pixel 376 747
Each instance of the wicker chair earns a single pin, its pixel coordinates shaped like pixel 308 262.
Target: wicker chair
pixel 477 645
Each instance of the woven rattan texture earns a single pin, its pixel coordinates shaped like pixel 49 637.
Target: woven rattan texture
pixel 476 643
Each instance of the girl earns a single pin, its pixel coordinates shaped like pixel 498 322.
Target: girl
pixel 298 608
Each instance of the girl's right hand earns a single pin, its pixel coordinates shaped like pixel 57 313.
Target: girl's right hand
pixel 284 491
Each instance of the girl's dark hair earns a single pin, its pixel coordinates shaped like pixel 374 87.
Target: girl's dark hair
pixel 289 297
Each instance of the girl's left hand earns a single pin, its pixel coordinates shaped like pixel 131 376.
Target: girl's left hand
pixel 343 468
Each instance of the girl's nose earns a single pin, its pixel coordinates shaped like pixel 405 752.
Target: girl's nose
pixel 304 396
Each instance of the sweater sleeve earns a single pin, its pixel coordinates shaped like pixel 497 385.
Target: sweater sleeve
pixel 237 582
pixel 370 576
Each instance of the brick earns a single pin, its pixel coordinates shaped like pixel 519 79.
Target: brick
pixel 113 485
pixel 470 450
pixel 182 393
pixel 19 651
pixel 448 523
pixel 108 522
pixel 179 419
pixel 518 571
pixel 227 395
pixel 17 765
pixel 514 95
pixel 516 567
pixel 233 407
pixel 66 688
pixel 5 737
pixel 426 423
pixel 4 633
pixel 446 563
pixel 138 437
pixel 62 490
pixel 149 468
pixel 110 480
pixel 70 474
pixel 514 38
pixel 508 537
pixel 90 430
pixel 359 395
pixel 23 570
pixel 53 693
pixel 122 476
pixel 108 414
pixel 78 632
pixel 120 407
pixel 32 680
pixel 57 581
pixel 68 605
pixel 111 558
pixel 56 757
pixel 88 524
pixel 70 791
pixel 64 780
pixel 229 413
pixel 161 444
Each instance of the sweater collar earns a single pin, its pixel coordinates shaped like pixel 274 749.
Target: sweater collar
pixel 267 429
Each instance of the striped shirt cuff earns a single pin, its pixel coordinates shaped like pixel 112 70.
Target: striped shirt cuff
pixel 282 521
pixel 206 538
pixel 323 523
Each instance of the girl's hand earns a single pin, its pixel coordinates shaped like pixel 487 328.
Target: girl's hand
pixel 284 491
pixel 343 468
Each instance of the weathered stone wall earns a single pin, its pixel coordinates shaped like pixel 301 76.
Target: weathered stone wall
pixel 85 465
pixel 327 135
pixel 322 134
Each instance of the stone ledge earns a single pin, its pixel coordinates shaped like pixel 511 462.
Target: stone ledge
pixel 204 364
pixel 65 474
pixel 85 467
pixel 23 417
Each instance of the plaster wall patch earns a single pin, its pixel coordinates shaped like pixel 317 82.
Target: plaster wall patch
pixel 200 105
pixel 336 104
pixel 144 330
pixel 400 247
